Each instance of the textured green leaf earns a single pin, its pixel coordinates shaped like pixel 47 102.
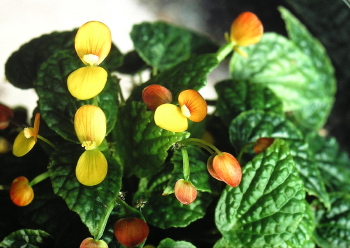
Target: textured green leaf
pixel 291 74
pixel 333 163
pixel 265 210
pixel 27 238
pixel 92 203
pixel 235 97
pixel 333 229
pixel 162 45
pixel 253 124
pixel 189 74
pixel 169 243
pixel 58 106
pixel 140 145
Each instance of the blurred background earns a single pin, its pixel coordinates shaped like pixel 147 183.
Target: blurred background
pixel 23 20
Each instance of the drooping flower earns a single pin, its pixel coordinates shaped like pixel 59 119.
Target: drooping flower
pixel 262 143
pixel 225 167
pixel 91 243
pixel 185 191
pixel 174 118
pixel 155 95
pixel 246 30
pixel 90 127
pixel 26 139
pixel 6 115
pixel 92 43
pixel 21 193
pixel 131 232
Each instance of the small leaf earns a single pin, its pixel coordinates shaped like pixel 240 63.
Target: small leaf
pixel 169 243
pixel 27 238
pixel 93 203
pixel 267 207
pixel 235 97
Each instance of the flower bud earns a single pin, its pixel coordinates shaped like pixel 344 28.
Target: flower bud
pixel 21 193
pixel 6 115
pixel 225 167
pixel 155 95
pixel 262 144
pixel 131 232
pixel 91 243
pixel 185 192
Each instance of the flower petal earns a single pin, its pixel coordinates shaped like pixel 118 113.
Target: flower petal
pixel 6 115
pixel 246 29
pixel 93 38
pixel 90 125
pixel 23 145
pixel 185 192
pixel 170 117
pixel 21 193
pixel 156 95
pixel 262 144
pixel 211 168
pixel 195 103
pixel 228 169
pixel 91 168
pixel 87 82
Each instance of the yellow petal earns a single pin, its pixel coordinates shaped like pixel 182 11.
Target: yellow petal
pixel 91 168
pixel 170 117
pixel 195 104
pixel 87 82
pixel 90 125
pixel 246 29
pixel 23 145
pixel 93 38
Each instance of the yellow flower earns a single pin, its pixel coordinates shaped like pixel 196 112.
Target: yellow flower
pixel 26 139
pixel 92 43
pixel 174 118
pixel 246 30
pixel 90 127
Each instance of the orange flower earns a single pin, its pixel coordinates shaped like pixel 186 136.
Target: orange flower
pixel 131 232
pixel 185 191
pixel 6 115
pixel 225 167
pixel 21 193
pixel 91 243
pixel 262 144
pixel 156 95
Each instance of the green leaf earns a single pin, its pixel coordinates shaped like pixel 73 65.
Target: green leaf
pixel 93 203
pixel 189 74
pixel 333 229
pixel 333 163
pixel 52 85
pixel 162 45
pixel 235 97
pixel 22 67
pixel 279 64
pixel 169 243
pixel 265 210
pixel 253 124
pixel 27 238
pixel 140 145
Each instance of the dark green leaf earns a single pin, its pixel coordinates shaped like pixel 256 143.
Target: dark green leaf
pixel 333 229
pixel 93 204
pixel 265 210
pixel 235 97
pixel 27 238
pixel 163 45
pixel 58 106
pixel 169 243
pixel 140 145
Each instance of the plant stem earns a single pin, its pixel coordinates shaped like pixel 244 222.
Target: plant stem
pixel 224 51
pixel 186 164
pixel 39 178
pixel 4 187
pixel 47 141
pixel 243 151
pixel 201 143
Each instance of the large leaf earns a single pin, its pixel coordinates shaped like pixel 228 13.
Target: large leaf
pixel 291 74
pixel 235 97
pixel 28 238
pixel 140 145
pixel 169 243
pixel 58 106
pixel 265 210
pixel 163 45
pixel 93 203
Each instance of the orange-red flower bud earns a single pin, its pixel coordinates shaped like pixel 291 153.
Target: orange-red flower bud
pixel 21 193
pixel 91 243
pixel 185 191
pixel 131 232
pixel 225 167
pixel 262 144
pixel 156 95
pixel 6 115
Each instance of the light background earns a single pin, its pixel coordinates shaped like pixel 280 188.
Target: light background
pixel 23 20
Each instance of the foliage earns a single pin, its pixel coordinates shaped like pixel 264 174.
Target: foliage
pixel 295 193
